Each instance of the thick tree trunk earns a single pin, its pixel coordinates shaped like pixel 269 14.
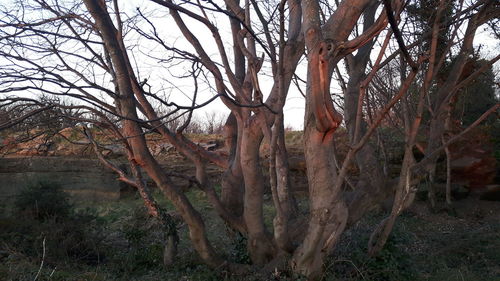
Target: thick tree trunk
pixel 328 211
pixel 233 189
pixel 232 186
pixel 260 245
pixel 135 137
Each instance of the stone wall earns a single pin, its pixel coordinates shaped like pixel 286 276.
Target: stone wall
pixel 83 179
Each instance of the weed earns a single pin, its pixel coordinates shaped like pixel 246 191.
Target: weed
pixel 144 250
pixel 351 261
pixel 446 249
pixel 239 253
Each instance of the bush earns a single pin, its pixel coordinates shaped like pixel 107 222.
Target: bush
pixel 43 201
pixel 51 229
pixel 239 253
pixel 351 261
pixel 144 238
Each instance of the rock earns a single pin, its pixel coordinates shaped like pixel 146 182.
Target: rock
pixel 46 147
pixel 208 146
pixel 113 150
pixel 472 161
pixel 474 171
pixel 464 162
pixel 67 132
pixel 490 193
pixel 297 163
pixel 211 145
pixel 161 148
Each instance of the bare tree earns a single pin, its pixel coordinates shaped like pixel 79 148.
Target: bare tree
pixel 213 122
pixel 82 52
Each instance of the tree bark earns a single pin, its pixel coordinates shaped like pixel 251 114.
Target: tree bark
pixel 135 137
pixel 328 212
pixel 232 185
pixel 371 187
pixel 260 246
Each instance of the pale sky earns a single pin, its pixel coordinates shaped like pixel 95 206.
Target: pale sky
pixel 294 107
pixel 161 76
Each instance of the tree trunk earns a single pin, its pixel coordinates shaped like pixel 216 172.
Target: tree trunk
pixel 328 211
pixel 371 187
pixel 232 186
pixel 441 105
pixel 260 246
pixel 135 137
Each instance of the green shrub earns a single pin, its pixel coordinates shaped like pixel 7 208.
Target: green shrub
pixel 351 261
pixel 42 201
pixel 74 239
pixel 144 250
pixel 239 253
pixel 51 229
pixel 392 263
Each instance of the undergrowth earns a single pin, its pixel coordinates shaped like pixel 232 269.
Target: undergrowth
pixel 48 238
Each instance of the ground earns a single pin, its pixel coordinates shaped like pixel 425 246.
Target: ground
pixel 117 240
pixel 127 245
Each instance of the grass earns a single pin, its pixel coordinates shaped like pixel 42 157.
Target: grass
pixel 421 248
pixel 127 245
